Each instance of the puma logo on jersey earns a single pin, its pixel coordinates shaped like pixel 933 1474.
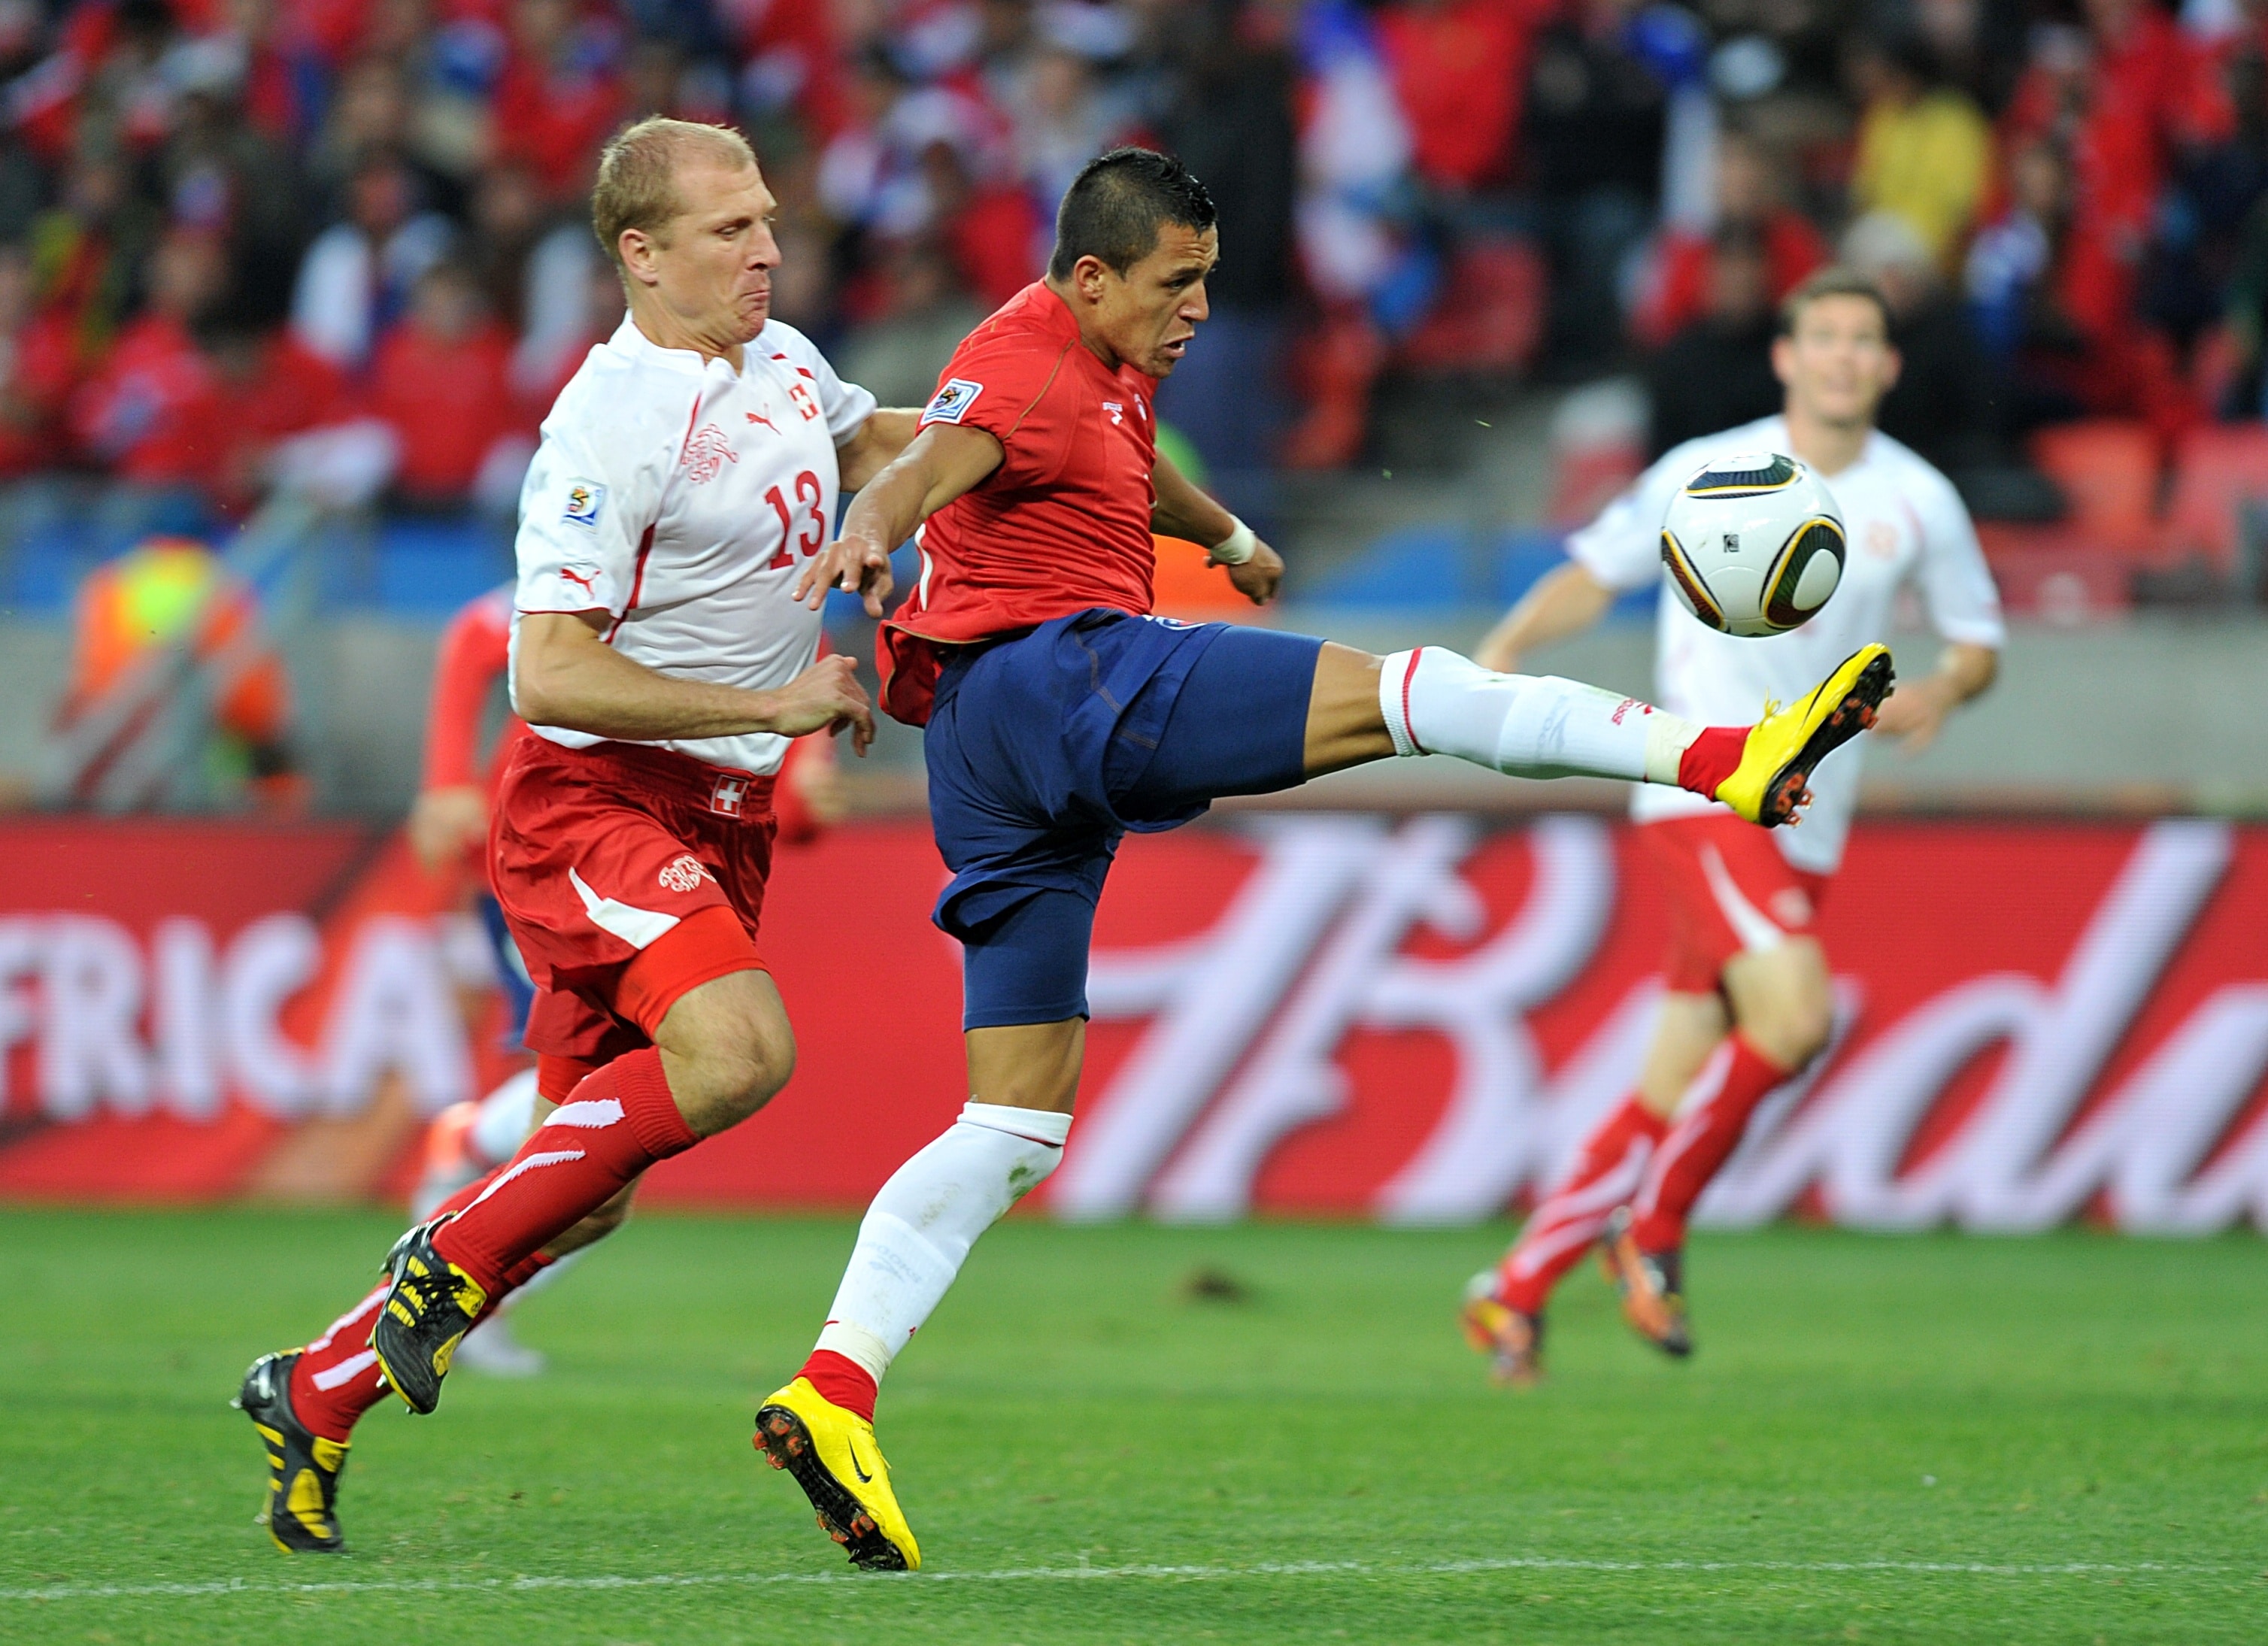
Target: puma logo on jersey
pixel 586 581
pixel 706 453
pixel 1118 413
pixel 768 422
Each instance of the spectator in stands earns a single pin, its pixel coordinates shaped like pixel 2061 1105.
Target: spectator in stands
pixel 358 275
pixel 148 414
pixel 1925 153
pixel 1460 72
pixel 925 314
pixel 442 378
pixel 1943 403
pixel 2052 305
pixel 1231 121
pixel 2124 101
pixel 267 387
pixel 90 250
pixel 989 225
pixel 560 94
pixel 1716 372
pixel 1061 117
pixel 1752 190
pixel 39 367
pixel 1594 119
pixel 227 176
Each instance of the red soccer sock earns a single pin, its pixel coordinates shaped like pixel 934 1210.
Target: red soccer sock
pixel 1716 1112
pixel 1575 1214
pixel 613 1125
pixel 843 1380
pixel 336 1380
pixel 1712 758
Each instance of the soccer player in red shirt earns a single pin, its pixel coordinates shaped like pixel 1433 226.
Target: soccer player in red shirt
pixel 1059 714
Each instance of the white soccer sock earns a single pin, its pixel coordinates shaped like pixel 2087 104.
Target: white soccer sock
pixel 918 1231
pixel 505 1118
pixel 1525 725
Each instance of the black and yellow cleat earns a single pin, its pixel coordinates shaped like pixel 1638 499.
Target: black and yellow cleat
pixel 303 1468
pixel 1787 745
pixel 432 1306
pixel 832 1454
pixel 1653 1287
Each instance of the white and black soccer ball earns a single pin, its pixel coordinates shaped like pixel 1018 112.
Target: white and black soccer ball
pixel 1754 544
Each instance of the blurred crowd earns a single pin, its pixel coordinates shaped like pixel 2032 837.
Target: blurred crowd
pixel 344 241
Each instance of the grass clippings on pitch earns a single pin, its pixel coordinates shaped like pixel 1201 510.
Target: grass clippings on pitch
pixel 1135 1433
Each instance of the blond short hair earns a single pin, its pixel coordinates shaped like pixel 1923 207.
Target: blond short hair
pixel 638 175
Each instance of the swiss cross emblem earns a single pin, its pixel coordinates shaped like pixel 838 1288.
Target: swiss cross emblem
pixel 805 401
pixel 729 795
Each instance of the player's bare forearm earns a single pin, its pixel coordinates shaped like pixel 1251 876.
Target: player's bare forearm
pixel 1916 711
pixel 565 675
pixel 875 445
pixel 1182 510
pixel 1565 602
pixel 940 464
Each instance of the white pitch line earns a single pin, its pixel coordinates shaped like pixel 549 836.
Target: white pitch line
pixel 1083 1574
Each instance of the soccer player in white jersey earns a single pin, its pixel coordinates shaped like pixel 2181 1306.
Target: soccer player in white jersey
pixel 687 475
pixel 1749 1001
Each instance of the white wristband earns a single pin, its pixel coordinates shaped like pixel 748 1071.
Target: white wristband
pixel 1237 547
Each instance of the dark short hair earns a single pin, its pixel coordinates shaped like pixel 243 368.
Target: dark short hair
pixel 1117 203
pixel 1832 282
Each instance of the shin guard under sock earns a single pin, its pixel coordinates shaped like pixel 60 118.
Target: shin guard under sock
pixel 917 1234
pixel 613 1125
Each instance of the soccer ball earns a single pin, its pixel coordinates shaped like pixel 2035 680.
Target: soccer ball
pixel 1754 544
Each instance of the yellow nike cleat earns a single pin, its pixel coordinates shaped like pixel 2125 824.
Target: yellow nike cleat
pixel 1784 747
pixel 833 1456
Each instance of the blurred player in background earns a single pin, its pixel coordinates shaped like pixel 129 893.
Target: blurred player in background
pixel 687 474
pixel 1749 1002
pixel 448 828
pixel 1059 715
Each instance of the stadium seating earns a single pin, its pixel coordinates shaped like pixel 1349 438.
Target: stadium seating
pixel 2108 469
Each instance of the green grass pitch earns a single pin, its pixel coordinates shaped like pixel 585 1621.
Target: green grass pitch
pixel 2062 1439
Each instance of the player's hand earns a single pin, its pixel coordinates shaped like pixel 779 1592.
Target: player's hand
pixel 446 823
pixel 850 563
pixel 1258 578
pixel 1497 653
pixel 825 697
pixel 818 783
pixel 1914 714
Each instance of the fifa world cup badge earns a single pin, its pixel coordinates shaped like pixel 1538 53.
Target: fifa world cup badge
pixel 585 499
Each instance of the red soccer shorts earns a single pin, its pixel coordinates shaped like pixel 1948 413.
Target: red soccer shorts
pixel 1730 892
pixel 629 875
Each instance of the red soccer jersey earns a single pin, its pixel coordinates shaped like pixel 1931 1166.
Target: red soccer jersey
pixel 1062 526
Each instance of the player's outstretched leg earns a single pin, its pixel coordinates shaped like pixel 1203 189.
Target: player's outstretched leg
pixel 913 1241
pixel 1503 1314
pixel 1433 701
